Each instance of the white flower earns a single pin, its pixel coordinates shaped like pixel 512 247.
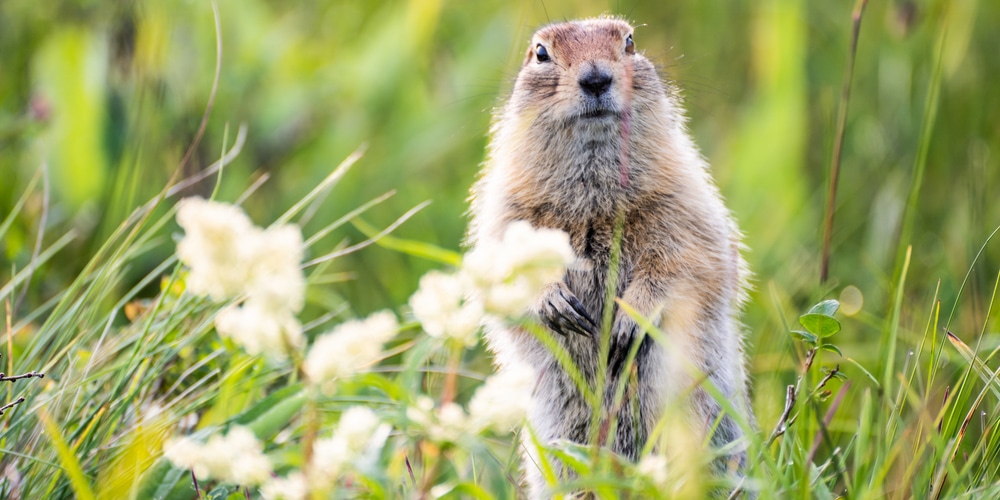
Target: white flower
pixel 452 420
pixel 654 467
pixel 249 469
pixel 356 426
pixel 290 487
pixel 444 308
pixel 355 432
pixel 350 347
pixel 510 273
pixel 330 456
pixel 487 264
pixel 229 257
pixel 502 401
pixel 422 413
pixel 545 251
pixel 214 246
pixel 186 453
pixel 238 457
pixel 446 424
pixel 441 490
pixel 511 298
pixel 259 330
pixel 276 280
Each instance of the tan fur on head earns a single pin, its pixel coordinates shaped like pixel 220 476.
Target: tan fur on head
pixel 591 133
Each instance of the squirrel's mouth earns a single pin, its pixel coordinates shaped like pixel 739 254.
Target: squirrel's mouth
pixel 598 113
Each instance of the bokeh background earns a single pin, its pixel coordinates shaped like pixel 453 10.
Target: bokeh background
pixel 107 96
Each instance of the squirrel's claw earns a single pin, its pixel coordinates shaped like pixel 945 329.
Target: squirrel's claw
pixel 562 312
pixel 624 333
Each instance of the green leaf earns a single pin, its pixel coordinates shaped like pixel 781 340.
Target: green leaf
pixel 70 464
pixel 803 336
pixel 219 493
pixel 984 371
pixel 826 308
pixel 472 490
pixel 164 481
pixel 866 372
pixel 820 325
pixel 273 413
pixel 573 455
pixel 415 248
pixel 831 348
pixel 159 480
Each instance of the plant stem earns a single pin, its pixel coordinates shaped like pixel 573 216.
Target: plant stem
pixel 782 425
pixel 451 376
pixel 12 378
pixel 11 404
pixel 838 144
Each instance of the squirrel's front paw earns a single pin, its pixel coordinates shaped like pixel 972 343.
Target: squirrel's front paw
pixel 625 332
pixel 561 311
pixel 624 327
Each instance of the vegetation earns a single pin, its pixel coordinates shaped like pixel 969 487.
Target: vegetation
pixel 879 381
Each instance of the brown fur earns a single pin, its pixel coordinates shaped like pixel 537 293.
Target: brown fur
pixel 565 157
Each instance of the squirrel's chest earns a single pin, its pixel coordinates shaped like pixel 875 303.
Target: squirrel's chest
pixel 594 242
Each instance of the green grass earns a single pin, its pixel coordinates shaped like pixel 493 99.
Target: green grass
pixel 94 298
pixel 117 387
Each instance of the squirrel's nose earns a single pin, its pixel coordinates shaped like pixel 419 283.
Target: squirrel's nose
pixel 595 82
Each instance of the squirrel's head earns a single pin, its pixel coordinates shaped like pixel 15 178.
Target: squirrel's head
pixel 584 72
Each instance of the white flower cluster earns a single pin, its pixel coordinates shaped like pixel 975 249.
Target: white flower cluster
pixel 654 467
pixel 444 307
pixel 294 486
pixel 349 348
pixel 445 424
pixel 238 457
pixel 500 279
pixel 510 275
pixel 359 432
pixel 229 257
pixel 501 403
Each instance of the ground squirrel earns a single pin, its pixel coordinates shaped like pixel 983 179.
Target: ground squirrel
pixel 590 132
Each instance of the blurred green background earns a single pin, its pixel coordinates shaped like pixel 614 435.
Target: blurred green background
pixel 107 96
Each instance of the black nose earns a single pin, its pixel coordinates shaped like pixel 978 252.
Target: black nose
pixel 595 82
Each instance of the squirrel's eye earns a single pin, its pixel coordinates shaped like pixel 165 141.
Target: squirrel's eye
pixel 541 54
pixel 629 45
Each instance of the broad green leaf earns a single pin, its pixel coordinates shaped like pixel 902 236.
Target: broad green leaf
pixel 827 308
pixel 273 413
pixel 219 493
pixel 575 459
pixel 70 70
pixel 820 325
pixel 831 348
pixel 471 490
pixel 153 478
pixel 162 479
pixel 804 336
